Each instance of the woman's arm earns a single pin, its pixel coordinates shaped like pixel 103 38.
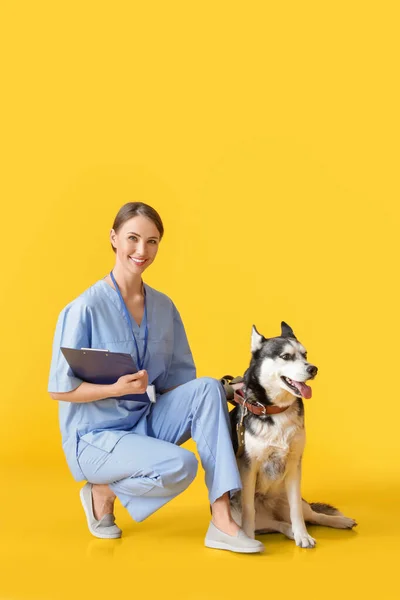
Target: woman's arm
pixel 181 367
pixel 86 392
pixel 135 383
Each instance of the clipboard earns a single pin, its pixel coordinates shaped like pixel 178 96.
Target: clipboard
pixel 102 367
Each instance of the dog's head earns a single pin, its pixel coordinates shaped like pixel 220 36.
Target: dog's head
pixel 279 368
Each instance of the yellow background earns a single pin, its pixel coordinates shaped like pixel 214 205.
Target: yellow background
pixel 267 136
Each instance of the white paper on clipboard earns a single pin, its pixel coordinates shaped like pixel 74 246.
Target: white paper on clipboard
pixel 151 392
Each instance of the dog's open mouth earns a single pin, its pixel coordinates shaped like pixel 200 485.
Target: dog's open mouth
pixel 299 387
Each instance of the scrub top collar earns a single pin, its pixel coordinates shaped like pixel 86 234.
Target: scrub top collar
pixel 113 295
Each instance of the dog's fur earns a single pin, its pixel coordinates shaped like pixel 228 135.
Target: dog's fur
pixel 270 466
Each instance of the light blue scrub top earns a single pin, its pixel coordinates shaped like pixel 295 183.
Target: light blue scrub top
pixel 95 319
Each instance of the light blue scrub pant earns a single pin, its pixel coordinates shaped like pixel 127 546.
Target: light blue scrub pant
pixel 147 471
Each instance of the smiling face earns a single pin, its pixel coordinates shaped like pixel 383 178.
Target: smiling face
pixel 282 367
pixel 136 243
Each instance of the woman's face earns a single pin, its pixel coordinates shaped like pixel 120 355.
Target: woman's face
pixel 136 243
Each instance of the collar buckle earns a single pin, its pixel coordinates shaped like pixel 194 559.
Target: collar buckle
pixel 262 406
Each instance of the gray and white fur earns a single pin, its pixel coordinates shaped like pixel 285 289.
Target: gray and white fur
pixel 270 466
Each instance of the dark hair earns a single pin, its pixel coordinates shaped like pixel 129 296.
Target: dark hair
pixel 133 209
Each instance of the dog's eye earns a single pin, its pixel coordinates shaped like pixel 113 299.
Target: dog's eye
pixel 286 356
pixel 305 355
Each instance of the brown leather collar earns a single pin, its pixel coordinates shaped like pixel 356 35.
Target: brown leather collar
pixel 259 409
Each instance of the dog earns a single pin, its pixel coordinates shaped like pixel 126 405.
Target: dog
pixel 270 463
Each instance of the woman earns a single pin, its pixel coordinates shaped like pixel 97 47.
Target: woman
pixel 131 448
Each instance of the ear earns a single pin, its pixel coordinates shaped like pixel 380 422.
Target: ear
pixel 287 331
pixel 112 238
pixel 256 339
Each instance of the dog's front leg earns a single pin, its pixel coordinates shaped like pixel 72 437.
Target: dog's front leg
pixel 249 477
pixel 293 484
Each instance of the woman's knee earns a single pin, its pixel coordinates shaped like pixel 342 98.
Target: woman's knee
pixel 181 470
pixel 191 464
pixel 210 383
pixel 211 393
pixel 210 388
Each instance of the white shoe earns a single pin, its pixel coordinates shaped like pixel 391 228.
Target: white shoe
pixel 103 528
pixel 215 538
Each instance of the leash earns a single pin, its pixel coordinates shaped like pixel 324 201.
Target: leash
pixel 233 387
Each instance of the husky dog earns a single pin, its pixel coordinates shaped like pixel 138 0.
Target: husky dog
pixel 270 465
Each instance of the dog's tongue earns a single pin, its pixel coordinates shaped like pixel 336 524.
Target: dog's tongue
pixel 304 389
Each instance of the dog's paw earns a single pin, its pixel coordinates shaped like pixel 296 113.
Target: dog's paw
pixel 346 523
pixel 304 540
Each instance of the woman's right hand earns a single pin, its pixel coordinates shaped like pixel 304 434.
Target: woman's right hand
pixel 132 384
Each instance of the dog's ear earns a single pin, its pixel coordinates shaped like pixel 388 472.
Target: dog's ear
pixel 287 331
pixel 256 339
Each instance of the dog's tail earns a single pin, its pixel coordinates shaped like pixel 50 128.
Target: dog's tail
pixel 325 509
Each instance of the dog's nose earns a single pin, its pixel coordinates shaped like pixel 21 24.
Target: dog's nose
pixel 312 370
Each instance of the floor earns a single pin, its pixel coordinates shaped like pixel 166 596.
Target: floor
pixel 47 552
